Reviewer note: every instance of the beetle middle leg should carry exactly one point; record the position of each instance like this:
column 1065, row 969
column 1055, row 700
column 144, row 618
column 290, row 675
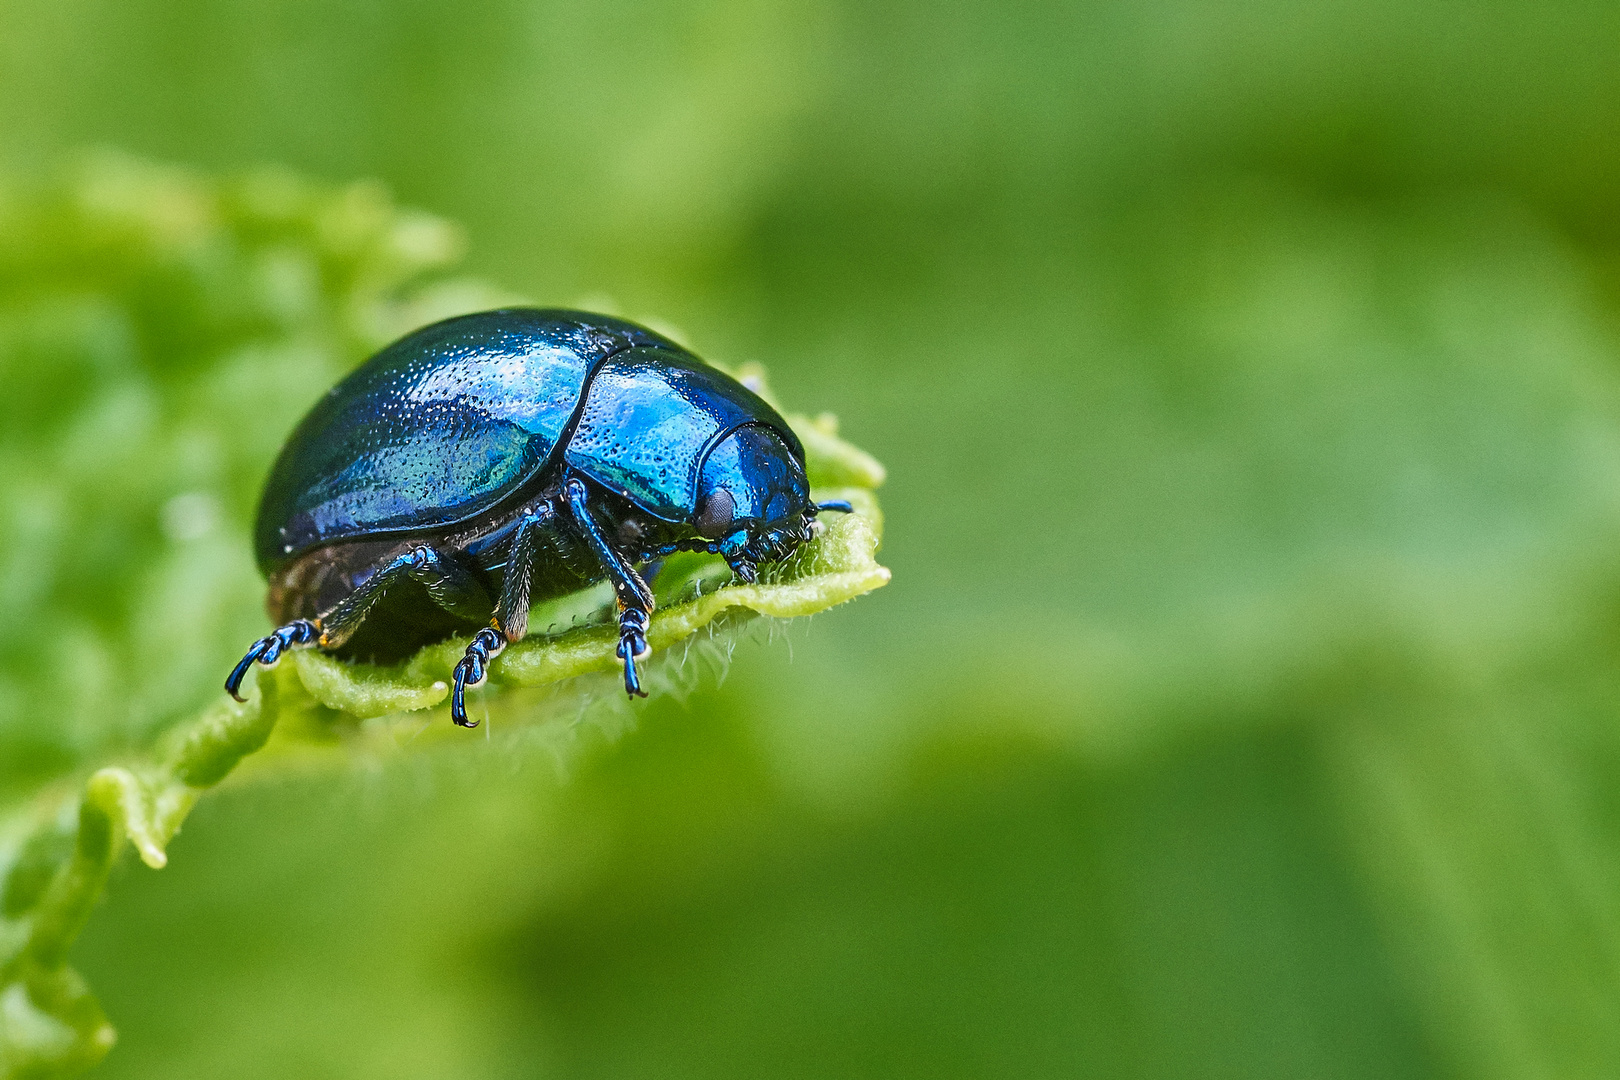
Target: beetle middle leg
column 446, row 581
column 511, row 620
column 635, row 598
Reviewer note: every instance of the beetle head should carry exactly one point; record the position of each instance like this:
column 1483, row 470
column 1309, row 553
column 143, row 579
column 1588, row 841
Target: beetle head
column 753, row 498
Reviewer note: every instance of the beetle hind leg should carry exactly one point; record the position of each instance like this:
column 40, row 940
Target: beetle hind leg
column 447, row 583
column 472, row 670
column 266, row 652
column 512, row 608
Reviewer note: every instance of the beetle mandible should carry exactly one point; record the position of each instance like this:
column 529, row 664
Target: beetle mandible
column 496, row 460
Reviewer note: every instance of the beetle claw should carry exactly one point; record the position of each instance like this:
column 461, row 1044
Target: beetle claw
column 458, row 695
column 632, row 681
column 233, row 682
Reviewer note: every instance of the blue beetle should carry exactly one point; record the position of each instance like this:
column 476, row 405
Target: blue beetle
column 494, row 460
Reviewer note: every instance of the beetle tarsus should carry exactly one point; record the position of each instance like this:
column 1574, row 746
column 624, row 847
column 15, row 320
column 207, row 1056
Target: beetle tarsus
column 632, row 681
column 266, row 652
column 472, row 670
column 632, row 647
column 233, row 682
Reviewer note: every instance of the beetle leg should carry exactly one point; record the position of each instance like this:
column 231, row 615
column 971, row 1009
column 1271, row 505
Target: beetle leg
column 511, row 621
column 512, row 610
column 738, row 550
column 627, row 584
column 450, row 586
column 632, row 647
column 472, row 670
column 446, row 581
column 266, row 652
column 843, row 506
column 635, row 598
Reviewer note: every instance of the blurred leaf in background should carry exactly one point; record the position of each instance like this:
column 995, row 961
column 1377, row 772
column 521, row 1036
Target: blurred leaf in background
column 1245, row 702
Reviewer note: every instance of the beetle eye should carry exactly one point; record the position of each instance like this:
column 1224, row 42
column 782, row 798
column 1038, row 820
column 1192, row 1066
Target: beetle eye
column 715, row 518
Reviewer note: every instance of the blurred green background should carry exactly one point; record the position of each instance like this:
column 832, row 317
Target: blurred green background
column 1245, row 702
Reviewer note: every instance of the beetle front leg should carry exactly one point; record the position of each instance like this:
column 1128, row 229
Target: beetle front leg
column 635, row 598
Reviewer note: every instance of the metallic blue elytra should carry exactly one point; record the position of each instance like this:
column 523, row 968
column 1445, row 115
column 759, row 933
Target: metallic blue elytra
column 435, row 429
column 495, row 460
